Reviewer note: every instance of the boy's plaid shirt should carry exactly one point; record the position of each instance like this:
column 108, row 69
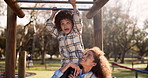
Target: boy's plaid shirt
column 70, row 45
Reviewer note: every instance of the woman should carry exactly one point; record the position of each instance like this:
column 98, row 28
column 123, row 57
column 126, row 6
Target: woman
column 94, row 65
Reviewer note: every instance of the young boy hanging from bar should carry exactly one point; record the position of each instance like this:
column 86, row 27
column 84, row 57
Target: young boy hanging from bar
column 67, row 28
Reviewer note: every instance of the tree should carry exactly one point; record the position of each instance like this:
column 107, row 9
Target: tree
column 141, row 41
column 119, row 30
column 87, row 34
column 2, row 7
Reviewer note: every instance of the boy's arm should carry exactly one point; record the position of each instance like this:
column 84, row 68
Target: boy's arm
column 73, row 3
column 53, row 13
column 50, row 26
column 77, row 21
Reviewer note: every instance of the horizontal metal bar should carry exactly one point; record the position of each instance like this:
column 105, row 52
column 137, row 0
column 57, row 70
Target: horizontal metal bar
column 45, row 1
column 38, row 8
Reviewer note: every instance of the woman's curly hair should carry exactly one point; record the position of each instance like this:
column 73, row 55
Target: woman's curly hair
column 102, row 69
column 63, row 14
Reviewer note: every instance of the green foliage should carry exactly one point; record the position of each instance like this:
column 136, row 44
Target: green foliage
column 121, row 33
column 87, row 35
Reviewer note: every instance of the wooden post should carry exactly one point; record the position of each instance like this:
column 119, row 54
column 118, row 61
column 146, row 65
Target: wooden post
column 98, row 30
column 10, row 44
column 22, row 65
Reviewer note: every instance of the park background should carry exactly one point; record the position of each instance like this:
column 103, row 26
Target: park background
column 125, row 24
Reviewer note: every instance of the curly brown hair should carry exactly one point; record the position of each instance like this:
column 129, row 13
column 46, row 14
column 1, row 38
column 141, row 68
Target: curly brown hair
column 102, row 69
column 63, row 14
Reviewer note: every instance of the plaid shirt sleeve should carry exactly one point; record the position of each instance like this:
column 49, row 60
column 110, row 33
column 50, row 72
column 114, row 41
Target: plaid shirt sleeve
column 51, row 28
column 77, row 22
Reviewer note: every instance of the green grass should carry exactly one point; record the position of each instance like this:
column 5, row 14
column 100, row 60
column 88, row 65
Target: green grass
column 41, row 74
column 126, row 73
column 46, row 71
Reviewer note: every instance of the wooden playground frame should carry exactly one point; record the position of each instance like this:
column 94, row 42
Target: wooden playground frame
column 14, row 10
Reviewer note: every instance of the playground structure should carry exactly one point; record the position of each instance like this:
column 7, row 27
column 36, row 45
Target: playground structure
column 14, row 10
column 132, row 69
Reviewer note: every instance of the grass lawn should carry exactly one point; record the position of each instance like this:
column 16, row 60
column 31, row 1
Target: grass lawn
column 41, row 74
column 46, row 71
column 128, row 74
column 117, row 72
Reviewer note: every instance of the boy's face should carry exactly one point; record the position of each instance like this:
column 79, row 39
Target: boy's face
column 66, row 25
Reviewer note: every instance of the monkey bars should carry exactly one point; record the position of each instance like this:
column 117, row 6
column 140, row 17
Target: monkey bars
column 97, row 5
column 58, row 2
column 38, row 8
column 14, row 10
column 47, row 1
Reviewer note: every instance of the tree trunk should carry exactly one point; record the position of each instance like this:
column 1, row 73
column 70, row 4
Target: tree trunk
column 43, row 49
column 43, row 57
column 122, row 58
column 142, row 59
column 115, row 57
column 146, row 67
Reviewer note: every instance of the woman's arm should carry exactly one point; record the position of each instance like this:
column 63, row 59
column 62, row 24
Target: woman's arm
column 59, row 73
column 72, row 65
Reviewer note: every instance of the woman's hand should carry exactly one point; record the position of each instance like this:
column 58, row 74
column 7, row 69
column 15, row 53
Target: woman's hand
column 72, row 76
column 76, row 68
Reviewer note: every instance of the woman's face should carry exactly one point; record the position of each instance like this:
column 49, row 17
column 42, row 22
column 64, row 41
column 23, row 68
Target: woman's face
column 88, row 59
column 66, row 25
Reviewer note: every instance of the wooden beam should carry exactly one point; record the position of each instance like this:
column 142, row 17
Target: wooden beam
column 15, row 7
column 47, row 1
column 10, row 44
column 98, row 30
column 95, row 8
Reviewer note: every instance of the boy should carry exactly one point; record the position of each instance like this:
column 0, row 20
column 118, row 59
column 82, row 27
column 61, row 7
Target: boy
column 68, row 30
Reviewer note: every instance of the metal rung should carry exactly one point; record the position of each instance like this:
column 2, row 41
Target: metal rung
column 37, row 8
column 45, row 1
